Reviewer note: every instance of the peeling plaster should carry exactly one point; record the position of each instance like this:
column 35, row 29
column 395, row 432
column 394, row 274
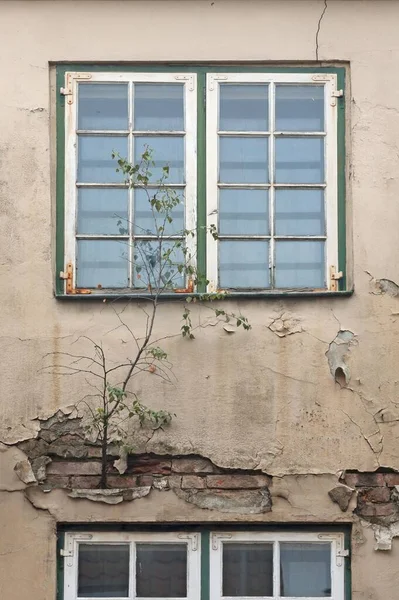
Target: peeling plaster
column 337, row 355
column 384, row 535
column 115, row 496
column 285, row 324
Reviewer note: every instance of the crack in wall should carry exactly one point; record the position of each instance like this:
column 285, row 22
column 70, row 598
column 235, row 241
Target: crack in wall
column 318, row 29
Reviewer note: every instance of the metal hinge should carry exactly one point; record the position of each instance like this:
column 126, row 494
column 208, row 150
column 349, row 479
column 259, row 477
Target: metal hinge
column 68, row 551
column 337, row 94
column 68, row 89
column 193, row 537
column 334, row 277
column 67, row 275
column 340, row 552
column 216, row 537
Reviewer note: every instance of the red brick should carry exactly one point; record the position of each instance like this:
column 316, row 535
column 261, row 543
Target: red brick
column 121, row 481
column 376, row 510
column 57, row 481
column 391, row 479
column 192, row 482
column 193, row 465
column 237, row 481
column 145, row 480
column 139, row 465
column 377, row 494
column 365, row 479
column 74, row 468
column 85, row 483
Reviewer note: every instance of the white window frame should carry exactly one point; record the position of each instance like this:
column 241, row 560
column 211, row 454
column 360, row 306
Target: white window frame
column 73, row 539
column 72, row 79
column 330, row 154
column 337, row 560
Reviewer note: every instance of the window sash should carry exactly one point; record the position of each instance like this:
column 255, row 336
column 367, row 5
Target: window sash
column 189, row 81
column 329, row 81
column 72, row 541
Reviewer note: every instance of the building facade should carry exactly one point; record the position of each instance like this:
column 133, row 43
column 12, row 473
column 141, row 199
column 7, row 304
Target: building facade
column 274, row 124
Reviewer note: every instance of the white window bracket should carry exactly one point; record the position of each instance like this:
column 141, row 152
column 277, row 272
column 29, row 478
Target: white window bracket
column 213, row 78
column 189, row 78
column 69, row 544
column 193, row 537
column 68, row 89
column 340, row 551
column 219, row 536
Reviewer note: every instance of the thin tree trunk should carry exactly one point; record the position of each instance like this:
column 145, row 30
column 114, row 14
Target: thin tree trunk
column 104, row 448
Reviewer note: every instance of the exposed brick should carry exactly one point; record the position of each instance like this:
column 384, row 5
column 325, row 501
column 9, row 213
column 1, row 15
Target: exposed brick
column 94, row 452
column 57, row 481
column 147, row 464
column 34, row 448
column 375, row 510
column 145, row 480
column 391, row 479
column 74, row 468
column 85, row 482
column 122, row 481
column 193, row 465
column 376, row 494
column 365, row 479
column 237, row 481
column 192, row 482
column 174, row 481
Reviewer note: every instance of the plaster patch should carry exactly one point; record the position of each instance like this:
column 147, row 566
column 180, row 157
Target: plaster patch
column 384, row 535
column 337, row 355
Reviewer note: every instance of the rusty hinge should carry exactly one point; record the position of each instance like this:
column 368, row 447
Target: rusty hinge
column 68, row 89
column 68, row 276
column 334, row 277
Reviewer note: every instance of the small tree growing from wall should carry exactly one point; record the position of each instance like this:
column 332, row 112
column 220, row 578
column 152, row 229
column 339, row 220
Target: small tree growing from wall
column 163, row 264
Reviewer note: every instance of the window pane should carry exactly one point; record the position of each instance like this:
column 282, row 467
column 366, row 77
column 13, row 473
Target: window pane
column 244, row 212
column 300, row 212
column 299, row 160
column 299, row 108
column 102, row 211
column 147, row 259
column 161, row 570
column 305, row 570
column 247, row 569
column 103, row 571
column 102, row 263
column 147, row 220
column 96, row 164
column 166, row 151
column 243, row 160
column 103, row 106
column 300, row 264
column 244, row 264
column 158, row 107
column 243, row 107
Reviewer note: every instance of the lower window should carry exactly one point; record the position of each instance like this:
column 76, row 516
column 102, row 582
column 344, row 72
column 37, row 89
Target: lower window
column 258, row 564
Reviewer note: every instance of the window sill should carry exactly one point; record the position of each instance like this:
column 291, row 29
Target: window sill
column 244, row 295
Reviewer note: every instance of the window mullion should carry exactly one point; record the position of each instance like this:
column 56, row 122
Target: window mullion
column 131, row 188
column 271, row 179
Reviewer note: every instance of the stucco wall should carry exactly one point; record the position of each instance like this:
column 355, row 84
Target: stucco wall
column 247, row 400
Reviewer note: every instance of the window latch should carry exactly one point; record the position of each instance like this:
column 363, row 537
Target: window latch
column 334, row 277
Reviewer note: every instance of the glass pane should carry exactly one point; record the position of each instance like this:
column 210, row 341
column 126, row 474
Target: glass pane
column 247, row 569
column 147, row 259
column 243, row 160
column 147, row 219
column 305, row 570
column 243, row 107
column 161, row 570
column 103, row 571
column 300, row 264
column 103, row 106
column 95, row 162
column 243, row 212
column 102, row 211
column 166, row 151
column 158, row 107
column 299, row 160
column 299, row 108
column 244, row 264
column 102, row 263
column 300, row 212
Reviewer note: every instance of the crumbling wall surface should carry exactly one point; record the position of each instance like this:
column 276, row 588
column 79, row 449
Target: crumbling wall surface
column 289, row 417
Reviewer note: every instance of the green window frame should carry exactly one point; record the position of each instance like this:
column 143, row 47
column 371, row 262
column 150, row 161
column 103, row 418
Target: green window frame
column 204, row 75
column 267, row 563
